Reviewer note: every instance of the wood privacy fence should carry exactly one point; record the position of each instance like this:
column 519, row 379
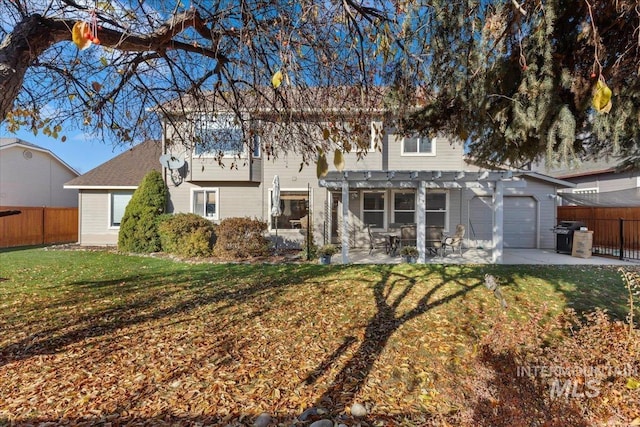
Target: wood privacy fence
column 38, row 226
column 616, row 231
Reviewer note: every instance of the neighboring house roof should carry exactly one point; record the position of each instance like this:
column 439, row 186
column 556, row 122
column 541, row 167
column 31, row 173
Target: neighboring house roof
column 6, row 143
column 123, row 171
column 584, row 168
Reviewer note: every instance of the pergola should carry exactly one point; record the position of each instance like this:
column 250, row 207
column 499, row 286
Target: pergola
column 492, row 181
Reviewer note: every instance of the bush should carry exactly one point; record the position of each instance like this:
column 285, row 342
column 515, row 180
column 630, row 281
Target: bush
column 138, row 229
column 187, row 234
column 327, row 250
column 241, row 238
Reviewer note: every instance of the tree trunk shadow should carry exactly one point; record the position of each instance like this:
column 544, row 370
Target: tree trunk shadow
column 380, row 328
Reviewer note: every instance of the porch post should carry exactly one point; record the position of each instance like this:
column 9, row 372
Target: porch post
column 498, row 219
column 345, row 222
column 421, row 222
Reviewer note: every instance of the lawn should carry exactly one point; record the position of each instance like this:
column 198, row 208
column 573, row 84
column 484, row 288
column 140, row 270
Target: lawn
column 100, row 337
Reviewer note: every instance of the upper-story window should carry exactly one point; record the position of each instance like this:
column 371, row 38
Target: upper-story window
column 216, row 134
column 418, row 146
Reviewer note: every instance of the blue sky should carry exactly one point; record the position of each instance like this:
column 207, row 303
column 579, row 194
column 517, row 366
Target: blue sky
column 79, row 150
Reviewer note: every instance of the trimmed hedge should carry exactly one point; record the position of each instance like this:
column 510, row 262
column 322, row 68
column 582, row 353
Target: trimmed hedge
column 187, row 234
column 241, row 238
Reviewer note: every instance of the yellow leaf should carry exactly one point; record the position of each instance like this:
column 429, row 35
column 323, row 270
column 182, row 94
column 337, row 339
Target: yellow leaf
column 79, row 35
column 322, row 167
column 635, row 422
column 632, row 383
column 276, row 80
column 602, row 97
column 338, row 160
column 325, row 133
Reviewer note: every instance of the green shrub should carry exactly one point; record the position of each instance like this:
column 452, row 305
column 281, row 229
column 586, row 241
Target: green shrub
column 138, row 228
column 238, row 238
column 187, row 234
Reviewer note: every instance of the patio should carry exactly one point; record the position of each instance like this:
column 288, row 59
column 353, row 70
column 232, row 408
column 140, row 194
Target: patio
column 483, row 256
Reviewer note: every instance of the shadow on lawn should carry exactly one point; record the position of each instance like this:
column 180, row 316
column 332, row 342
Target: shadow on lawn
column 389, row 292
column 200, row 286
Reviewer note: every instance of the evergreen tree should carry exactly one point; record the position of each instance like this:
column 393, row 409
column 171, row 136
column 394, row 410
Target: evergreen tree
column 138, row 229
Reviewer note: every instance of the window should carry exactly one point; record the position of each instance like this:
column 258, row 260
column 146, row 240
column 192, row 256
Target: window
column 418, row 146
column 204, row 202
column 294, row 205
column 218, row 134
column 436, row 209
column 373, row 209
column 255, row 141
column 118, row 203
column 404, row 207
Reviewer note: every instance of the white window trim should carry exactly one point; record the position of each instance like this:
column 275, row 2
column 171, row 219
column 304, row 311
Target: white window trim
column 110, row 225
column 384, row 207
column 431, row 154
column 393, row 208
column 446, row 210
column 198, row 189
column 585, row 190
column 282, row 190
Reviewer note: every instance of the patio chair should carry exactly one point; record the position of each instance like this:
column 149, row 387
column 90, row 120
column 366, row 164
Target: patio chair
column 377, row 242
column 434, row 239
column 304, row 222
column 454, row 241
column 407, row 235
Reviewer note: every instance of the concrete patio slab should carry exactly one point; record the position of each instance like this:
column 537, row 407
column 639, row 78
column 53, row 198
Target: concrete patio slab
column 480, row 256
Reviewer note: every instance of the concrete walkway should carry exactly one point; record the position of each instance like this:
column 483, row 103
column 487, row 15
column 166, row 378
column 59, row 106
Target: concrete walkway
column 480, row 256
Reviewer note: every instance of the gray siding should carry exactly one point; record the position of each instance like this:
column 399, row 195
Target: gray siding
column 608, row 182
column 448, row 156
column 479, row 216
column 94, row 219
column 235, row 199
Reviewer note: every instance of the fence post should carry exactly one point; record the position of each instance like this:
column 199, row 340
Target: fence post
column 621, row 238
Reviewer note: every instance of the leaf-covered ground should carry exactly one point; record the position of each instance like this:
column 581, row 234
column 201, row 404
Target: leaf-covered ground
column 96, row 337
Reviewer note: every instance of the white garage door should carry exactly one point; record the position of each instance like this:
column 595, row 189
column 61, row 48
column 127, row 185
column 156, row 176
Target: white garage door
column 519, row 221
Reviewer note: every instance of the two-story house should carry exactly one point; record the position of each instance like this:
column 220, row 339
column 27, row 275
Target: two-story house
column 422, row 180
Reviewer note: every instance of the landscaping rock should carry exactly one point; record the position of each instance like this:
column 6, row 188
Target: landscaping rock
column 358, row 410
column 322, row 423
column 263, row 420
column 311, row 412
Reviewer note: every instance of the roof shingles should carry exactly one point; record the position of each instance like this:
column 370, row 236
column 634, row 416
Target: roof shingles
column 125, row 170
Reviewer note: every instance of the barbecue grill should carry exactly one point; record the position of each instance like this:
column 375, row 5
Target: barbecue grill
column 564, row 235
